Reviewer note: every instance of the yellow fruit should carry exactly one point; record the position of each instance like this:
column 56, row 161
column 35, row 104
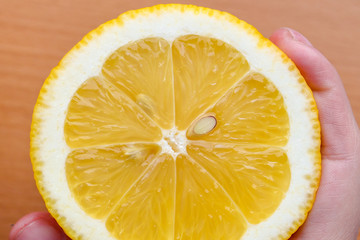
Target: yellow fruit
column 176, row 122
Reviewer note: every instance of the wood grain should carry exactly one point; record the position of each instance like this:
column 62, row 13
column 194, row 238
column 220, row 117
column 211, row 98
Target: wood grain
column 35, row 34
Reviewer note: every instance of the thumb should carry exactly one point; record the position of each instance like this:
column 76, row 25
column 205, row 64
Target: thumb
column 37, row 226
column 335, row 212
column 339, row 128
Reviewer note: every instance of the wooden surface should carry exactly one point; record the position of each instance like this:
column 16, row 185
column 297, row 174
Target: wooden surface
column 35, row 34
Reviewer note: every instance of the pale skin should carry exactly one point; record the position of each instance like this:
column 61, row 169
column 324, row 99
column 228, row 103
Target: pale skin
column 336, row 211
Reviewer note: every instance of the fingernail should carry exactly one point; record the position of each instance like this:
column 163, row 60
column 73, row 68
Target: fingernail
column 40, row 230
column 298, row 37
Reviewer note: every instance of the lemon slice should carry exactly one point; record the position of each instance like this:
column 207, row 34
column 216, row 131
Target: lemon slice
column 176, row 122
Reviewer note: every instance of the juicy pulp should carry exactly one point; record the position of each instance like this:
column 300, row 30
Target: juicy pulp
column 119, row 171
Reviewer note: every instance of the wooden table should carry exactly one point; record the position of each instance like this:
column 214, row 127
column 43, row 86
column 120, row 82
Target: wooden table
column 35, row 34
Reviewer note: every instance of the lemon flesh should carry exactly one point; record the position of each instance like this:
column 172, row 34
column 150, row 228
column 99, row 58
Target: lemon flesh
column 136, row 163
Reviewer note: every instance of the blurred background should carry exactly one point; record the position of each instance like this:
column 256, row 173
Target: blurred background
column 36, row 34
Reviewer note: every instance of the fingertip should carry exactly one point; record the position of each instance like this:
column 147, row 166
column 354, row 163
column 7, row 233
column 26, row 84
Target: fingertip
column 316, row 69
column 280, row 35
column 24, row 221
column 37, row 225
column 285, row 33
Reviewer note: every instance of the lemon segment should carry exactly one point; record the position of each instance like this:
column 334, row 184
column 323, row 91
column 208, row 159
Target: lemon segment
column 99, row 177
column 256, row 178
column 146, row 211
column 143, row 71
column 100, row 114
column 203, row 209
column 204, row 69
column 252, row 112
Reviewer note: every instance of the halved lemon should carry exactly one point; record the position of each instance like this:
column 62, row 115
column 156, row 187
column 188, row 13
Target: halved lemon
column 176, row 122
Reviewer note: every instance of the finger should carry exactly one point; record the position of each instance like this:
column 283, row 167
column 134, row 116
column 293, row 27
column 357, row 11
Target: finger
column 37, row 226
column 339, row 129
column 317, row 70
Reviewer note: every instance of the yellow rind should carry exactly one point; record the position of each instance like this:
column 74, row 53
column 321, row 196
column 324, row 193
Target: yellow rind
column 158, row 9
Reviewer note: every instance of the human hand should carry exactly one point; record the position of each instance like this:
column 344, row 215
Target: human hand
column 335, row 214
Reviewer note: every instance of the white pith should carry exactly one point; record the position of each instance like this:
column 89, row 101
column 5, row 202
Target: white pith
column 86, row 62
column 173, row 137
